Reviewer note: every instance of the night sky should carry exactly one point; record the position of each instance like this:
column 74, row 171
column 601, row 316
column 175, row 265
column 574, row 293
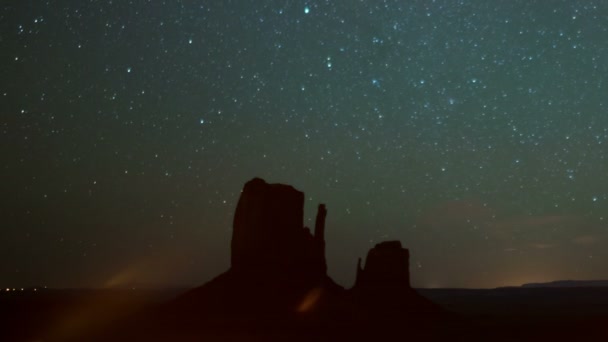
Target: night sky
column 476, row 132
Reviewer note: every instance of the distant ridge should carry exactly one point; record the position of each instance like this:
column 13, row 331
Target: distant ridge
column 569, row 283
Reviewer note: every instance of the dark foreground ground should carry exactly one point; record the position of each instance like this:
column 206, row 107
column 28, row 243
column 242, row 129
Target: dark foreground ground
column 510, row 314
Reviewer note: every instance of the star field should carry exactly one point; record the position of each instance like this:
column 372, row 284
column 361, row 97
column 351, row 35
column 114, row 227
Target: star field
column 475, row 132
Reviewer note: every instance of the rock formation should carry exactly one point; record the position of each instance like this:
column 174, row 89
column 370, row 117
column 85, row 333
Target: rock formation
column 277, row 265
column 277, row 285
column 383, row 285
column 386, row 265
column 269, row 238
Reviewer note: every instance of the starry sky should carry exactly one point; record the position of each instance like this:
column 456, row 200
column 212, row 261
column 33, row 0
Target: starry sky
column 474, row 131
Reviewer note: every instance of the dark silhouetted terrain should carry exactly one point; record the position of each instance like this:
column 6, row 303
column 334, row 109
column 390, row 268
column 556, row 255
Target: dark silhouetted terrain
column 569, row 283
column 506, row 314
column 277, row 289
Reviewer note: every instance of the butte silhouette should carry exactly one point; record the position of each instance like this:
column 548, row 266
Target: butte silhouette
column 277, row 286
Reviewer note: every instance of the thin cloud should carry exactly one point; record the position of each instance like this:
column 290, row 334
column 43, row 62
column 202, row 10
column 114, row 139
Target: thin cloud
column 586, row 239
